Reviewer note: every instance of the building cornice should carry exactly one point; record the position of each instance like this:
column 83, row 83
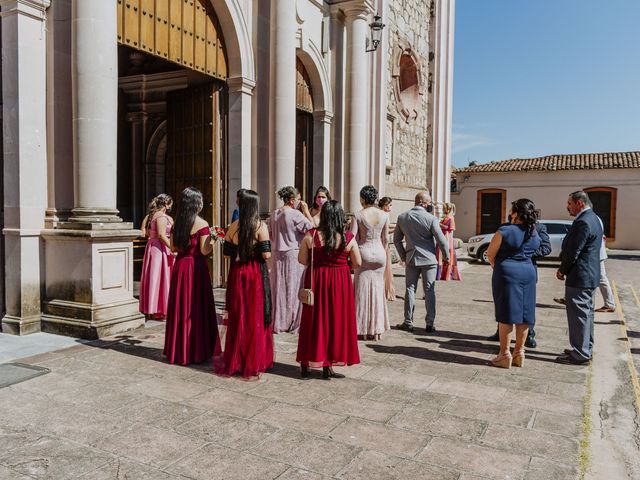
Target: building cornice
column 241, row 85
column 29, row 8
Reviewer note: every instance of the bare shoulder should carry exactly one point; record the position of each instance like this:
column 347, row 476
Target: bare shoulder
column 200, row 223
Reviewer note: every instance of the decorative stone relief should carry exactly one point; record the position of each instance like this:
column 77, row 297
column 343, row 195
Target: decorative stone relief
column 408, row 85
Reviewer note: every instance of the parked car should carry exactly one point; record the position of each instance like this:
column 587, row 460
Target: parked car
column 557, row 229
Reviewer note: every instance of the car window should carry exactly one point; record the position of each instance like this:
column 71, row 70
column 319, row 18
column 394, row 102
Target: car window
column 556, row 228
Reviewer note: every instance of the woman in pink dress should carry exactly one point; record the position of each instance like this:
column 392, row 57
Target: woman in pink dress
column 191, row 335
column 389, row 290
column 448, row 225
column 158, row 258
column 289, row 223
column 248, row 348
column 328, row 334
column 370, row 227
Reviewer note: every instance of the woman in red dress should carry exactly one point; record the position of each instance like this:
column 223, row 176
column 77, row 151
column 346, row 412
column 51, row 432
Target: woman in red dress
column 248, row 349
column 191, row 335
column 328, row 332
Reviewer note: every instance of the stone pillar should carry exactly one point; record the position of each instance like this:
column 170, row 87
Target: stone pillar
column 239, row 138
column 59, row 114
column 25, row 159
column 357, row 95
column 89, row 260
column 337, row 182
column 321, row 147
column 284, row 98
column 136, row 121
column 443, row 25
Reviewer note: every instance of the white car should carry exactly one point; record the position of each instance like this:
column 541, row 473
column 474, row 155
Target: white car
column 557, row 229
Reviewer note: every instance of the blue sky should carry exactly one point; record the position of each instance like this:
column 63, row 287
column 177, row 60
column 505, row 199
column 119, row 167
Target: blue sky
column 537, row 77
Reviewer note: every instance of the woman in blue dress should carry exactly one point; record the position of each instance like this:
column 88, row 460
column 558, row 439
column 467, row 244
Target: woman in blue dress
column 514, row 279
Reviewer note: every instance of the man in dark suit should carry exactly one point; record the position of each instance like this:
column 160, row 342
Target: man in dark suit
column 543, row 250
column 580, row 270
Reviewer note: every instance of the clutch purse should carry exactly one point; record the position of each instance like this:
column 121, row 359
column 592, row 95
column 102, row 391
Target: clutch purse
column 305, row 295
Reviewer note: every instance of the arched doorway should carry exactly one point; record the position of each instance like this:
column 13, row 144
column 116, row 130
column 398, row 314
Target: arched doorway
column 304, row 132
column 173, row 107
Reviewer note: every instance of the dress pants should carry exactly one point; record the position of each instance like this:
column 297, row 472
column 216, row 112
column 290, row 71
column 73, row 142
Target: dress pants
column 580, row 314
column 605, row 288
column 412, row 275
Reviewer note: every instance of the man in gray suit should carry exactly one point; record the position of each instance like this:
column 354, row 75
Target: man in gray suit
column 420, row 230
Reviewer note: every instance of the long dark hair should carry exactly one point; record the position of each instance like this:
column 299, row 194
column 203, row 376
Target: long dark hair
column 158, row 203
column 332, row 222
column 248, row 223
column 188, row 209
column 324, row 190
column 526, row 212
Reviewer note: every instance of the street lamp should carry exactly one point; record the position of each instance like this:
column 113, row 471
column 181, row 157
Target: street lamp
column 376, row 33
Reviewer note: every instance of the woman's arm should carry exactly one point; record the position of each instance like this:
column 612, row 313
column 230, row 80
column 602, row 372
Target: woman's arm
column 143, row 227
column 263, row 236
column 161, row 223
column 303, row 253
column 354, row 254
column 384, row 236
column 494, row 246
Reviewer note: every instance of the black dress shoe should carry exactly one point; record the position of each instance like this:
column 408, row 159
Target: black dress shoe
column 569, row 360
column 327, row 373
column 494, row 338
column 430, row 329
column 530, row 342
column 304, row 371
column 568, row 351
column 405, row 327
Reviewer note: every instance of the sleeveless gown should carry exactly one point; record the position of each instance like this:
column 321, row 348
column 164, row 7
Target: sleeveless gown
column 248, row 349
column 191, row 335
column 155, row 278
column 328, row 334
column 450, row 272
column 372, row 314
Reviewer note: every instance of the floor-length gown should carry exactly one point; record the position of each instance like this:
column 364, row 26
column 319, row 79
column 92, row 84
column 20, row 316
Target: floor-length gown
column 191, row 335
column 155, row 278
column 328, row 334
column 450, row 271
column 372, row 314
column 248, row 348
column 288, row 227
column 389, row 288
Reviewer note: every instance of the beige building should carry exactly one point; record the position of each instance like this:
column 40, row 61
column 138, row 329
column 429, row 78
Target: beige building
column 483, row 193
column 106, row 103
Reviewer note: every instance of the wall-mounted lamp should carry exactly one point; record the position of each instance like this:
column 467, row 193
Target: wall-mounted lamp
column 376, row 33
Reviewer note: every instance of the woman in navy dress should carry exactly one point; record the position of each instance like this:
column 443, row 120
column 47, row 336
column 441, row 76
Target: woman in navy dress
column 514, row 280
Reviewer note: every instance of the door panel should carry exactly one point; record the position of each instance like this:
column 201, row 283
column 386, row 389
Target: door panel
column 304, row 154
column 490, row 212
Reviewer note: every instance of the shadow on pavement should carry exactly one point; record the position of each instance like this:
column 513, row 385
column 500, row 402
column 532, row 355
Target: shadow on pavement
column 426, row 354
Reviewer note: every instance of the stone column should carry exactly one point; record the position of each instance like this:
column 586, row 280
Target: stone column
column 321, row 147
column 136, row 121
column 25, row 159
column 89, row 260
column 284, row 98
column 357, row 94
column 443, row 34
column 239, row 138
column 95, row 110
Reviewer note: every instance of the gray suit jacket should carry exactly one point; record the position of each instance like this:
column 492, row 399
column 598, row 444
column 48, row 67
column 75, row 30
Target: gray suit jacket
column 421, row 231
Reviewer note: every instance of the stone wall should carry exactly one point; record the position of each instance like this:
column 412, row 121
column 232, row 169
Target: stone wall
column 408, row 148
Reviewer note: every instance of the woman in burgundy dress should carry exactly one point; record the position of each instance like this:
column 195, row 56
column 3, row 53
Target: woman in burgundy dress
column 328, row 333
column 248, row 349
column 192, row 332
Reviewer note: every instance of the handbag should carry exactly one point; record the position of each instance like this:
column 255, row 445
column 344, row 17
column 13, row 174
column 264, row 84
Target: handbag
column 305, row 295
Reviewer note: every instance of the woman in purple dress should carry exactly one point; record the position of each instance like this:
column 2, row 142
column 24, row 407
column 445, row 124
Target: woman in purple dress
column 289, row 223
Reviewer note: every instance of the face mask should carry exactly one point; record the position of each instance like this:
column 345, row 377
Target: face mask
column 320, row 201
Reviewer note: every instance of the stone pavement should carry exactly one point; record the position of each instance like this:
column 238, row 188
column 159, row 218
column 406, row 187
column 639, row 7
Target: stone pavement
column 418, row 407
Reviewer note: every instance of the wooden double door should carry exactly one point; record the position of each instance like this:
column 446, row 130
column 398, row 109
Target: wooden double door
column 196, row 154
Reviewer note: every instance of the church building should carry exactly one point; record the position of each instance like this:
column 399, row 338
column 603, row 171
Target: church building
column 107, row 103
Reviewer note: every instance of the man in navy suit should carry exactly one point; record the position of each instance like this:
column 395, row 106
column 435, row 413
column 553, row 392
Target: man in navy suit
column 580, row 270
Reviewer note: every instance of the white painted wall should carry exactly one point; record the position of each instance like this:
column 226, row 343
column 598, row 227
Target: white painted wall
column 549, row 191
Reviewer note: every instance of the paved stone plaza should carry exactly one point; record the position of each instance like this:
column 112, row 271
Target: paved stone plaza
column 418, row 407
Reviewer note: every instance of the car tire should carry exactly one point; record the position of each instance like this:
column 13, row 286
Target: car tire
column 482, row 254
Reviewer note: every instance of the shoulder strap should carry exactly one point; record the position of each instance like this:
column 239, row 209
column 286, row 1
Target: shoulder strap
column 313, row 245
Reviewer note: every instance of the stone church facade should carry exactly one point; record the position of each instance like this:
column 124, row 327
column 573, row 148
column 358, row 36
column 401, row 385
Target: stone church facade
column 106, row 103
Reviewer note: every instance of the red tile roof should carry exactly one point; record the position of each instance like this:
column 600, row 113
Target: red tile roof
column 578, row 161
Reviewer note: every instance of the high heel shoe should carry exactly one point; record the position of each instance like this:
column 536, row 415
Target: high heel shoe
column 304, row 371
column 502, row 360
column 518, row 358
